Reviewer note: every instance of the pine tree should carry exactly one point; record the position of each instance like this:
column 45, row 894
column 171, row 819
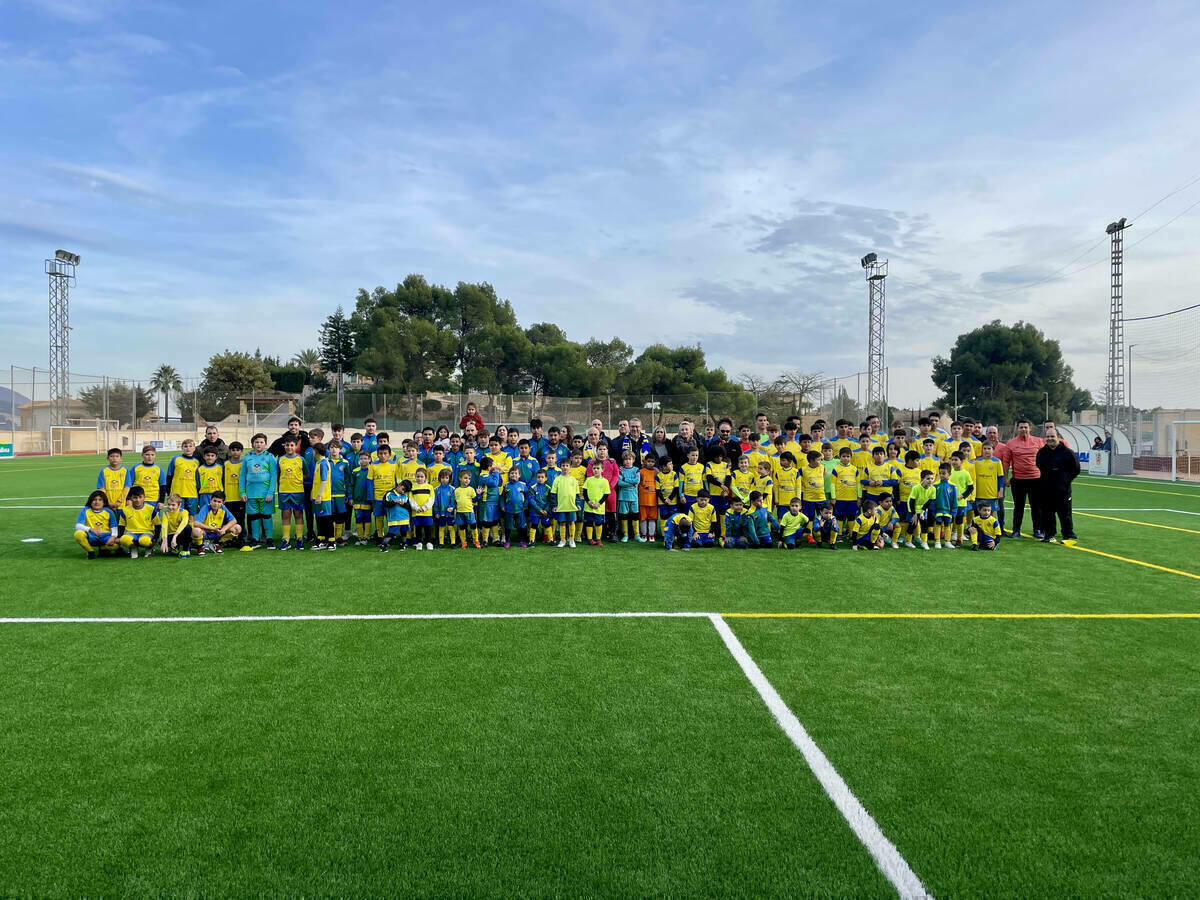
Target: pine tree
column 337, row 343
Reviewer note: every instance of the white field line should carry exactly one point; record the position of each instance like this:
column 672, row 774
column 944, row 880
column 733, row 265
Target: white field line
column 341, row 617
column 5, row 506
column 1139, row 509
column 883, row 851
column 47, row 497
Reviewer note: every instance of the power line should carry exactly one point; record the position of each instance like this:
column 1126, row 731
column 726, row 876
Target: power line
column 1164, row 225
column 1161, row 315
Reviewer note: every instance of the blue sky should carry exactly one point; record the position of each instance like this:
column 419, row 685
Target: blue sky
column 672, row 172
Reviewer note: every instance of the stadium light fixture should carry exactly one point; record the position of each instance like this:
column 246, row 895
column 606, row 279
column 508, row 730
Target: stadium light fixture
column 869, row 259
column 67, row 256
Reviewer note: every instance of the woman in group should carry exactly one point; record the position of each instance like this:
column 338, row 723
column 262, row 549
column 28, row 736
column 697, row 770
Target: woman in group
column 660, row 447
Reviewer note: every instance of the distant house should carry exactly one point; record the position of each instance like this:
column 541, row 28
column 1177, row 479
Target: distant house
column 36, row 416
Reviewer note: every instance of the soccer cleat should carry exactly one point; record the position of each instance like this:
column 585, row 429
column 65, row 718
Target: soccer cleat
column 91, row 554
column 506, row 545
column 186, row 554
column 216, row 549
column 571, row 544
column 937, row 545
column 810, row 539
column 951, row 546
column 476, row 545
column 523, row 545
column 361, row 542
column 1038, row 536
column 428, row 546
column 200, row 552
column 1014, row 534
column 1051, row 540
column 641, row 540
column 383, row 548
column 133, row 554
column 624, row 539
column 854, row 546
column 299, row 544
column 562, row 543
column 419, row 545
column 910, row 545
column 924, row 545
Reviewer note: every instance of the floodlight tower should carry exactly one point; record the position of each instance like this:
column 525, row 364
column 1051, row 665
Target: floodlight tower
column 1116, row 326
column 61, row 271
column 876, row 270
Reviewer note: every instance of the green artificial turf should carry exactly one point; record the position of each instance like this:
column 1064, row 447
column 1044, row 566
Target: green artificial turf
column 1017, row 759
column 602, row 757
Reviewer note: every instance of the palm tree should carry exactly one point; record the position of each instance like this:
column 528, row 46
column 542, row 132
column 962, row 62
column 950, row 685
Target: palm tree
column 309, row 360
column 164, row 380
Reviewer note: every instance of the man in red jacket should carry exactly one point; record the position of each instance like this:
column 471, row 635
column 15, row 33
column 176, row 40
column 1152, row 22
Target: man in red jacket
column 1021, row 456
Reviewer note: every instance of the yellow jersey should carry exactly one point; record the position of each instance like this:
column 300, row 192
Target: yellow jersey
column 838, row 443
column 812, row 484
column 383, row 477
column 988, row 527
column 322, row 483
column 703, row 518
column 716, row 477
column 182, row 476
column 886, row 517
column 464, row 500
column 909, row 478
column 789, row 524
column 148, row 478
column 172, row 522
column 233, row 481
column 862, row 458
column 291, row 475
column 765, row 485
column 138, row 521
column 211, row 478
column 407, row 468
column 787, row 482
column 742, row 483
column 112, row 482
column 845, row 482
column 691, row 479
column 864, row 526
column 882, row 472
column 929, row 464
column 501, row 462
column 434, row 471
column 987, row 478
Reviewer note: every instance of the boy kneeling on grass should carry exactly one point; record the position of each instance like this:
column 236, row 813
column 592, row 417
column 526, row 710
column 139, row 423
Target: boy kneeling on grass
column 214, row 524
column 985, row 529
column 96, row 527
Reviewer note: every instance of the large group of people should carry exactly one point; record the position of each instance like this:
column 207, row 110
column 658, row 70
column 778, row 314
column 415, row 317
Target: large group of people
column 747, row 486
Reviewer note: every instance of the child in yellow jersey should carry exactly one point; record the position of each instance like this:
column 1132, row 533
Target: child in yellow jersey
column 741, row 482
column 384, row 476
column 464, row 510
column 579, row 472
column 666, row 486
column 210, row 477
column 173, row 523
column 138, row 518
column 861, row 457
column 877, row 479
column 812, row 488
column 791, row 525
column 234, row 501
column 830, row 462
column 181, row 476
column 764, row 483
column 149, row 476
column 501, row 461
column 989, row 480
column 985, row 530
column 786, row 481
column 845, row 491
column 864, row 530
column 965, row 486
column 291, row 494
column 406, row 469
column 929, row 459
column 889, row 522
column 113, row 479
column 564, row 500
column 691, row 480
column 909, row 478
column 96, row 527
column 213, row 524
column 704, row 518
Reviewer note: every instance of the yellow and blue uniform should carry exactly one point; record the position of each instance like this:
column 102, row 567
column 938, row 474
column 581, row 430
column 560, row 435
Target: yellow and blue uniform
column 889, row 521
column 232, row 477
column 845, row 492
column 986, row 532
column 382, row 476
column 989, row 480
column 565, row 493
column 883, row 472
column 398, row 514
column 742, row 483
column 435, row 470
column 765, row 485
column 215, row 517
column 964, row 486
column 105, row 520
column 407, row 468
column 182, row 480
column 691, row 482
column 151, row 479
column 322, row 488
column 716, row 478
column 787, row 482
column 812, row 491
column 528, row 467
column 464, row 506
column 501, row 462
column 291, row 482
column 909, row 479
column 209, row 480
column 791, row 526
column 865, row 530
column 703, row 520
column 861, row 458
column 339, row 475
column 113, row 482
column 678, row 524
column 139, row 526
column 666, row 486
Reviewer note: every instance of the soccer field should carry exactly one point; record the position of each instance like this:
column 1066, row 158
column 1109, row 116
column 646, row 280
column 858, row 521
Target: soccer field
column 1019, row 723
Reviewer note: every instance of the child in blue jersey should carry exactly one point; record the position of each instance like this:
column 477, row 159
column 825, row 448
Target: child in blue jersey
column 443, row 509
column 513, row 500
column 490, row 484
column 677, row 528
column 538, row 508
column 826, row 527
column 398, row 515
column 322, row 497
column 735, row 527
column 339, row 480
column 760, row 522
column 257, row 480
column 945, row 508
column 525, row 464
column 213, row 524
column 363, row 494
column 629, row 478
column 96, row 527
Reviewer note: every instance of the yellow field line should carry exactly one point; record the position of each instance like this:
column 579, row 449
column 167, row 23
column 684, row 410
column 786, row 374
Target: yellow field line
column 1136, row 562
column 817, row 615
column 1113, row 487
column 1144, row 524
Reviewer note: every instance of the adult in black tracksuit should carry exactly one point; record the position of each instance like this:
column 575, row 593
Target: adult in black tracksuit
column 1058, row 467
